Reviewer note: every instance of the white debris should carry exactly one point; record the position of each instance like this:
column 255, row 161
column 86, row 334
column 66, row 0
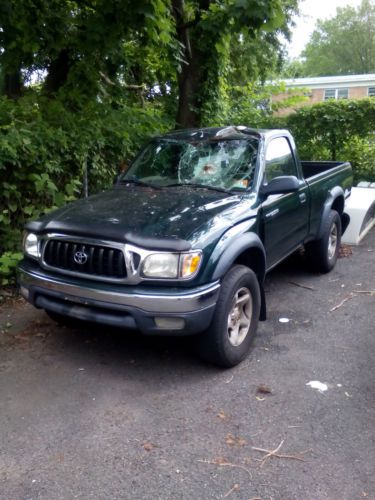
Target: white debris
column 339, row 385
column 315, row 384
column 284, row 320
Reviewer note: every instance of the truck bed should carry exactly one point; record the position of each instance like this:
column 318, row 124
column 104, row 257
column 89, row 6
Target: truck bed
column 312, row 168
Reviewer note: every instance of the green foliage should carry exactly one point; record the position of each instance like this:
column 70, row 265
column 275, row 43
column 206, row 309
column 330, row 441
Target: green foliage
column 344, row 44
column 75, row 42
column 8, row 264
column 331, row 130
column 45, row 149
column 361, row 152
column 225, row 43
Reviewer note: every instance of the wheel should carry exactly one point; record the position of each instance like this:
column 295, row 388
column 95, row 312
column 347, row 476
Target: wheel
column 228, row 339
column 323, row 253
column 61, row 319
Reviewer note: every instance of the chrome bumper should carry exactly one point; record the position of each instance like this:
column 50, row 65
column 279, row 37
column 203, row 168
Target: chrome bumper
column 185, row 301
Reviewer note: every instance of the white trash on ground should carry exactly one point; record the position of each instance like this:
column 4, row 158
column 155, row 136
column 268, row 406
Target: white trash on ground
column 315, row 384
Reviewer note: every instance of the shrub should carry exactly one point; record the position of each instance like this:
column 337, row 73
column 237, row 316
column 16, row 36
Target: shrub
column 45, row 150
column 331, row 130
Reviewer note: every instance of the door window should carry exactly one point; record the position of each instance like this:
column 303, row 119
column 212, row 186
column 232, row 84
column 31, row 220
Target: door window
column 279, row 159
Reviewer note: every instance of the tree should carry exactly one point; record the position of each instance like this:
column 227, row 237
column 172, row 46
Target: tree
column 344, row 44
column 74, row 42
column 210, row 32
column 189, row 50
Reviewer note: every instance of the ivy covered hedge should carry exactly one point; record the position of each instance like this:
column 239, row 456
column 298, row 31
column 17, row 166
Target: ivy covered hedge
column 336, row 130
column 45, row 151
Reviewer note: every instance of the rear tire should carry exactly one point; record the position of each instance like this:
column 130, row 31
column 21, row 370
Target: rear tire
column 323, row 253
column 229, row 337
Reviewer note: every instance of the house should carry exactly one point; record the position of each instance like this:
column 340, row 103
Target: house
column 318, row 89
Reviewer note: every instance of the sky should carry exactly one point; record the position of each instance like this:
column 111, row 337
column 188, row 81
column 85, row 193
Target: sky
column 311, row 10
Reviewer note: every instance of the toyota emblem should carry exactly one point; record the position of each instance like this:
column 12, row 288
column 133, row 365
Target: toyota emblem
column 80, row 257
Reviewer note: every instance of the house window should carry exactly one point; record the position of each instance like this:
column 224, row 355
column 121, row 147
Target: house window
column 342, row 93
column 329, row 94
column 371, row 91
column 336, row 93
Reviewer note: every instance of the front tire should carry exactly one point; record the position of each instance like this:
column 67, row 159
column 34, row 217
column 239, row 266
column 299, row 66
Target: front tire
column 323, row 253
column 229, row 337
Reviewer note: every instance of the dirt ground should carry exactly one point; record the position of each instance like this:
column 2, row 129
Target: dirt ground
column 97, row 413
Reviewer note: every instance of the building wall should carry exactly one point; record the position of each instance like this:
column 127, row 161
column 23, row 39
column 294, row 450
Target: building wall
column 317, row 96
column 357, row 92
column 314, row 96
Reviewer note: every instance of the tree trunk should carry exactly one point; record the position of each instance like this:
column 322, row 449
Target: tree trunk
column 189, row 86
column 58, row 72
column 13, row 84
column 193, row 73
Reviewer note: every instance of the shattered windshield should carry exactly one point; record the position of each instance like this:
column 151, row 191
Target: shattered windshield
column 217, row 163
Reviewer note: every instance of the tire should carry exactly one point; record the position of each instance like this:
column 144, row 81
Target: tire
column 62, row 320
column 323, row 253
column 226, row 343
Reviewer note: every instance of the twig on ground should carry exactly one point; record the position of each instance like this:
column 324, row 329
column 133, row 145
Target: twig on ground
column 236, row 487
column 348, row 297
column 275, row 453
column 366, row 292
column 225, row 464
column 308, row 287
column 269, row 453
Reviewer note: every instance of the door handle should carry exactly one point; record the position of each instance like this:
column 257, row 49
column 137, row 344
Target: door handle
column 272, row 213
column 302, row 197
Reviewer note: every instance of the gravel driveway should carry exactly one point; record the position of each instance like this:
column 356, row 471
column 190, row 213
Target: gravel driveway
column 104, row 414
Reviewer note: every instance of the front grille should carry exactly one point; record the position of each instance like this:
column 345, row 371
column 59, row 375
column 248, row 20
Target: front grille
column 94, row 260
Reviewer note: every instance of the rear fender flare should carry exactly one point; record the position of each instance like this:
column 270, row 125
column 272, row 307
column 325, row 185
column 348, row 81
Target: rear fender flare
column 334, row 194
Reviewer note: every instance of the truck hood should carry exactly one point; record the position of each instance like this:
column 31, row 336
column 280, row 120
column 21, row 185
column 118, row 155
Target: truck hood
column 157, row 218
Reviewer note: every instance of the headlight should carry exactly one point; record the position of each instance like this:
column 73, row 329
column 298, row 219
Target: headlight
column 31, row 245
column 161, row 265
column 171, row 265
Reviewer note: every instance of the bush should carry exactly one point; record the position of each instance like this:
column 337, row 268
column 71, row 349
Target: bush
column 46, row 148
column 342, row 130
column 8, row 264
column 362, row 157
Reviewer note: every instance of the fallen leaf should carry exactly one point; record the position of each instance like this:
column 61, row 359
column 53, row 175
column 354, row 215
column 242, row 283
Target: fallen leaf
column 41, row 335
column 263, row 389
column 235, row 441
column 345, row 251
column 148, row 446
column 223, row 416
column 219, row 461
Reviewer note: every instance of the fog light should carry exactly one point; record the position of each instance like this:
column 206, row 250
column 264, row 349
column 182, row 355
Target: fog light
column 24, row 292
column 170, row 323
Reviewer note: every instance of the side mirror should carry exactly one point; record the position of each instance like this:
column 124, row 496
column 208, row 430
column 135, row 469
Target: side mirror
column 280, row 185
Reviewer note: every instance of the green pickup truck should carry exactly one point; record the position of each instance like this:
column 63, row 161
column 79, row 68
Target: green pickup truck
column 181, row 243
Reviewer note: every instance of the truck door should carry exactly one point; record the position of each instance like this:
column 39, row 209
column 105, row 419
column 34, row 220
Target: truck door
column 285, row 217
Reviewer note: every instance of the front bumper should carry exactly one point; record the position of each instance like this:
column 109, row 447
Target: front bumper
column 119, row 305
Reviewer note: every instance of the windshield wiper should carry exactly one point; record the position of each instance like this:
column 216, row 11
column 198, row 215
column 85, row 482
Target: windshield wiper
column 201, row 186
column 138, row 183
